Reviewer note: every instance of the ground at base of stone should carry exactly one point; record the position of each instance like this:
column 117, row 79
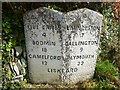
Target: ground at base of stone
column 29, row 85
column 85, row 84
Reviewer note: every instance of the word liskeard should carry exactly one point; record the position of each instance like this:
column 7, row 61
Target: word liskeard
column 62, row 47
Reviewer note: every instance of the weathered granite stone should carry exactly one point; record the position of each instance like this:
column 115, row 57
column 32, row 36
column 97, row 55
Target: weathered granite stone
column 24, row 54
column 62, row 48
column 18, row 50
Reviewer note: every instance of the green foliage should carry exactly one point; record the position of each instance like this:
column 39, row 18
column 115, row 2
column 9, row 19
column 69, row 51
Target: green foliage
column 104, row 69
column 107, row 67
column 109, row 35
column 88, row 84
column 13, row 35
column 106, row 74
column 104, row 84
column 12, row 85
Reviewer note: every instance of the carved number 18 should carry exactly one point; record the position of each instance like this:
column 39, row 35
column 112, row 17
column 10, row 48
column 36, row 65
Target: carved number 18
column 44, row 49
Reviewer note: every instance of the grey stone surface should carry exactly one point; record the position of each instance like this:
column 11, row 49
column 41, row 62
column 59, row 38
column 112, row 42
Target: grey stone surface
column 18, row 50
column 24, row 54
column 62, row 47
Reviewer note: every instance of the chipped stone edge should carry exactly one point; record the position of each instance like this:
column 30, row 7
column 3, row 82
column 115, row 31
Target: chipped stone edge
column 55, row 11
column 82, row 9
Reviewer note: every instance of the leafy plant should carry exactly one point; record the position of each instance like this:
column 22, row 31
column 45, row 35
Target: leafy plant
column 109, row 46
column 12, row 35
column 105, row 84
column 107, row 73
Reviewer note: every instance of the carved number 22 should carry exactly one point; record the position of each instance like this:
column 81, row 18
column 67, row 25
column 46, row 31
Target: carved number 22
column 80, row 63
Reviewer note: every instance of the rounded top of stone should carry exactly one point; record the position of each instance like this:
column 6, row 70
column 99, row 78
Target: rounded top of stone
column 82, row 10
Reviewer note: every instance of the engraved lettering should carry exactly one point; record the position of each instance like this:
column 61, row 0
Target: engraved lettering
column 61, row 70
column 44, row 62
column 51, row 43
column 33, row 26
column 78, row 43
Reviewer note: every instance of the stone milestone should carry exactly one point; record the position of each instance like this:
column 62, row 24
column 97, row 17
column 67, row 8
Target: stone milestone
column 62, row 47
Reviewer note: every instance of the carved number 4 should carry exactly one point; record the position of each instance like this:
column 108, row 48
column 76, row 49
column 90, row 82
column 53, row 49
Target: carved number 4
column 44, row 34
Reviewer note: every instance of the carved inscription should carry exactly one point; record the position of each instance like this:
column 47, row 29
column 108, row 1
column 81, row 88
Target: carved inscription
column 62, row 47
